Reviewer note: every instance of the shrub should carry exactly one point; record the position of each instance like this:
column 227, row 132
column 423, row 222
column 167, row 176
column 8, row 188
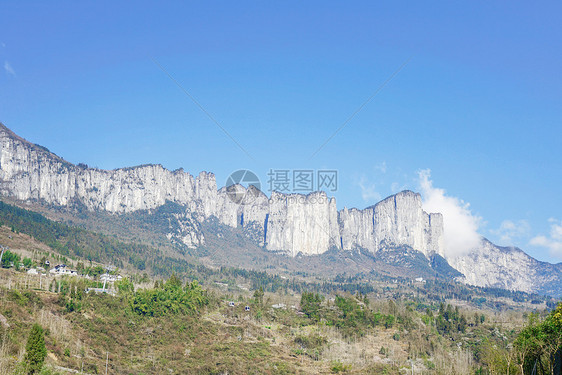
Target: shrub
column 170, row 299
column 35, row 350
column 337, row 367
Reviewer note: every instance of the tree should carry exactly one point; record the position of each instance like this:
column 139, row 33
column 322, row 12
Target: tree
column 429, row 313
column 35, row 350
column 173, row 282
column 528, row 342
column 170, row 299
column 389, row 321
column 461, row 326
column 310, row 305
column 540, row 343
column 258, row 296
column 124, row 286
column 10, row 258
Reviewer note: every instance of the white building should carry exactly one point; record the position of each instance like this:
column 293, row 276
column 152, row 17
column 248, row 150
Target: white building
column 107, row 278
column 62, row 271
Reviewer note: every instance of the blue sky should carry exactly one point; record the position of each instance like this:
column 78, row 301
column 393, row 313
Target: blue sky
column 478, row 103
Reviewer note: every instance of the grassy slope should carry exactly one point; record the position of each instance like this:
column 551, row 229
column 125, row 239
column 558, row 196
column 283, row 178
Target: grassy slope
column 218, row 340
column 301, row 274
column 221, row 339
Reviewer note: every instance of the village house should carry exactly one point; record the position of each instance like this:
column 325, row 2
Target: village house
column 107, row 278
column 62, row 270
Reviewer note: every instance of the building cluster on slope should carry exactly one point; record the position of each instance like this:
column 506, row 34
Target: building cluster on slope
column 63, row 270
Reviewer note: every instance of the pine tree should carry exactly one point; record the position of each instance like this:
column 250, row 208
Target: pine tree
column 258, row 296
column 35, row 350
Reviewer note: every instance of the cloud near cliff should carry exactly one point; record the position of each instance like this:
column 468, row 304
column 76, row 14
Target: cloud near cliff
column 460, row 225
column 368, row 191
column 553, row 242
column 510, row 231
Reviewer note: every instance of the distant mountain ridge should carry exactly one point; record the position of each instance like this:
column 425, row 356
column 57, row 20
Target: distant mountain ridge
column 293, row 223
column 508, row 268
column 290, row 223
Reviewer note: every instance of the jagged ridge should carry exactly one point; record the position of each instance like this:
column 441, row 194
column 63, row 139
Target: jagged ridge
column 292, row 223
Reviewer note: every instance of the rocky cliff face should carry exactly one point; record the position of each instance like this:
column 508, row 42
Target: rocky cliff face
column 31, row 172
column 302, row 223
column 508, row 268
column 397, row 220
column 295, row 223
column 307, row 224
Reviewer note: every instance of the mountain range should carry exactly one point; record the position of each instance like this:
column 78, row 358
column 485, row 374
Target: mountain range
column 293, row 225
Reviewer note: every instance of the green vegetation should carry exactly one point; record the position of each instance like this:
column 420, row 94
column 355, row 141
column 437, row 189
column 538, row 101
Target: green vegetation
column 170, row 298
column 181, row 326
column 338, row 367
column 9, row 258
column 450, row 320
column 35, row 350
column 539, row 345
column 71, row 241
column 310, row 305
column 312, row 345
column 360, row 323
column 351, row 314
column 83, row 245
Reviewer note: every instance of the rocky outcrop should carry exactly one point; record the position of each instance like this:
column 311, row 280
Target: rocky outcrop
column 306, row 224
column 395, row 221
column 508, row 268
column 295, row 223
column 31, row 172
column 302, row 223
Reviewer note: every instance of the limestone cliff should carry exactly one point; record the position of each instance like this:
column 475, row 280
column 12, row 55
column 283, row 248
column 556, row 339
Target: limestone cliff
column 306, row 224
column 508, row 268
column 397, row 220
column 295, row 223
column 302, row 223
column 31, row 172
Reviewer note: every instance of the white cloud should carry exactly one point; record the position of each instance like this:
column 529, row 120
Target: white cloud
column 368, row 191
column 381, row 167
column 460, row 225
column 554, row 241
column 8, row 68
column 511, row 230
